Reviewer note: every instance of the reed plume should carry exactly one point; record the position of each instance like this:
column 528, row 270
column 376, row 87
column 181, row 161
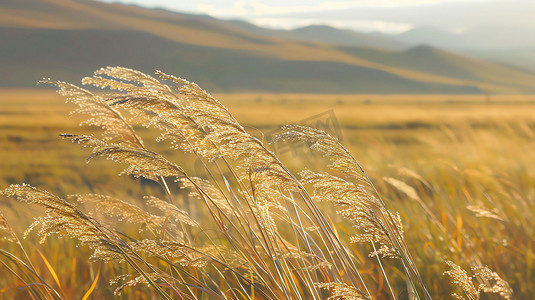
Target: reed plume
column 489, row 282
column 7, row 232
column 64, row 219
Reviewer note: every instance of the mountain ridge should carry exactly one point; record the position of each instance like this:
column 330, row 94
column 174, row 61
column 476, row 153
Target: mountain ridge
column 221, row 54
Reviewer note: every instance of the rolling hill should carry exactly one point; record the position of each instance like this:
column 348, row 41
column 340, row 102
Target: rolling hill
column 329, row 35
column 511, row 46
column 433, row 60
column 68, row 39
column 73, row 54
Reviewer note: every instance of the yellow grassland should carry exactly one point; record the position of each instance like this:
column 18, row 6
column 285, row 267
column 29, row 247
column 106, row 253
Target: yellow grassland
column 467, row 150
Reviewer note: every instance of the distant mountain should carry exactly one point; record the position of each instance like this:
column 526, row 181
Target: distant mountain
column 429, row 36
column 68, row 39
column 435, row 61
column 512, row 46
column 477, row 38
column 327, row 35
column 522, row 58
column 340, row 37
column 73, row 54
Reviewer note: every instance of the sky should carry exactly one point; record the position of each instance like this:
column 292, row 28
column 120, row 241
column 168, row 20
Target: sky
column 386, row 16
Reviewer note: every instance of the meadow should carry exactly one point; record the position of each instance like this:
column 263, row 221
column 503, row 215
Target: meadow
column 459, row 169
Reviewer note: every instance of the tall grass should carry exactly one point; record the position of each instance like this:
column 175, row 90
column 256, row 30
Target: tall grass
column 245, row 227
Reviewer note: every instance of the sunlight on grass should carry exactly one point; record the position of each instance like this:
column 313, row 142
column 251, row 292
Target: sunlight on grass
column 456, row 172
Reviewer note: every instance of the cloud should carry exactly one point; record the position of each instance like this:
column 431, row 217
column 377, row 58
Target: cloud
column 358, row 25
column 257, row 8
column 282, row 15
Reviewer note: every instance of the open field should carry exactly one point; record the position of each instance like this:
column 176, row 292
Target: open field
column 380, row 129
column 470, row 160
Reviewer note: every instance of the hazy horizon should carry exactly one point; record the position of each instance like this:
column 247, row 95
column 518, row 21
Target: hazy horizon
column 385, row 16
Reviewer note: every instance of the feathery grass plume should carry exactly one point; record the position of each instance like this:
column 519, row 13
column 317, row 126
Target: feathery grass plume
column 191, row 113
column 460, row 277
column 188, row 112
column 155, row 104
column 401, row 186
column 7, row 232
column 230, row 137
column 183, row 254
column 124, row 211
column 168, row 113
column 171, row 210
column 331, row 188
column 485, row 212
column 85, row 140
column 357, row 205
column 385, row 224
column 491, row 282
column 410, row 173
column 65, row 219
column 326, row 144
column 142, row 162
column 117, row 131
column 200, row 188
column 342, row 291
column 129, row 75
column 102, row 115
column 139, row 279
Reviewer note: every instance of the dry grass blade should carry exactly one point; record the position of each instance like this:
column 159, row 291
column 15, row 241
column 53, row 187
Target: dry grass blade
column 65, row 219
column 93, row 285
column 30, row 284
column 52, row 272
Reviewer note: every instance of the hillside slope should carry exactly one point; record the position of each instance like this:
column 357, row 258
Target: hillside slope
column 69, row 38
column 72, row 54
column 436, row 61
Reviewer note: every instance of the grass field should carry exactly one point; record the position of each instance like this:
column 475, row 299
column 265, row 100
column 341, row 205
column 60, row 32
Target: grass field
column 469, row 163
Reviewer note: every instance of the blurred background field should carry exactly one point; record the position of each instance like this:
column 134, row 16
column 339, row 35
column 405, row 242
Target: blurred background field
column 380, row 129
column 469, row 158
